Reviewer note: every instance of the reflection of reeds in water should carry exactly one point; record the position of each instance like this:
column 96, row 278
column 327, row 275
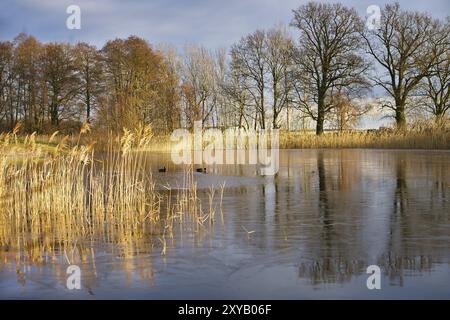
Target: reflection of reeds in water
column 330, row 270
column 52, row 208
column 395, row 266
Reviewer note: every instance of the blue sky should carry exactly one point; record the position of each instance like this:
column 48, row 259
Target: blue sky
column 213, row 23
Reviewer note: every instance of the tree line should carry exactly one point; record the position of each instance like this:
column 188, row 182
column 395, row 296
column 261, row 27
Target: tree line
column 322, row 73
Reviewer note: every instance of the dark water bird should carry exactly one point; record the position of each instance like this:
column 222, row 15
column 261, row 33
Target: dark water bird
column 202, row 170
column 163, row 169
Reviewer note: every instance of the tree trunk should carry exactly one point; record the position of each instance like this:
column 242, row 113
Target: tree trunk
column 320, row 121
column 88, row 106
column 288, row 121
column 54, row 114
column 320, row 115
column 274, row 120
column 400, row 117
column 263, row 110
column 240, row 117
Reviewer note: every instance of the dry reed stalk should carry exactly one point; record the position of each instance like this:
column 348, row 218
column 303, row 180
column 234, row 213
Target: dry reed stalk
column 53, row 205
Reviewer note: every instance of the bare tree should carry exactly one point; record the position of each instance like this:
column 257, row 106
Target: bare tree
column 198, row 84
column 436, row 86
column 327, row 55
column 6, row 78
column 347, row 111
column 88, row 64
column 222, row 111
column 238, row 97
column 401, row 48
column 279, row 51
column 169, row 99
column 61, row 81
column 134, row 78
column 26, row 74
column 249, row 56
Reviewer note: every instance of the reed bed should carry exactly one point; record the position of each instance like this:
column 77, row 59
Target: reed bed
column 427, row 139
column 377, row 139
column 55, row 205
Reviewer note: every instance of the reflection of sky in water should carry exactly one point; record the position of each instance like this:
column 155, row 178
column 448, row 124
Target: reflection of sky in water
column 310, row 232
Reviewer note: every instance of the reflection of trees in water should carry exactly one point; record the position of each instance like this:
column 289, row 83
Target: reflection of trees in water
column 401, row 188
column 342, row 269
column 328, row 234
column 418, row 225
column 325, row 200
column 316, row 208
column 420, row 213
column 331, row 252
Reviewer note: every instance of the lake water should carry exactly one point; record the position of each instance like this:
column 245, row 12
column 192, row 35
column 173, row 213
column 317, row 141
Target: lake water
column 309, row 232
